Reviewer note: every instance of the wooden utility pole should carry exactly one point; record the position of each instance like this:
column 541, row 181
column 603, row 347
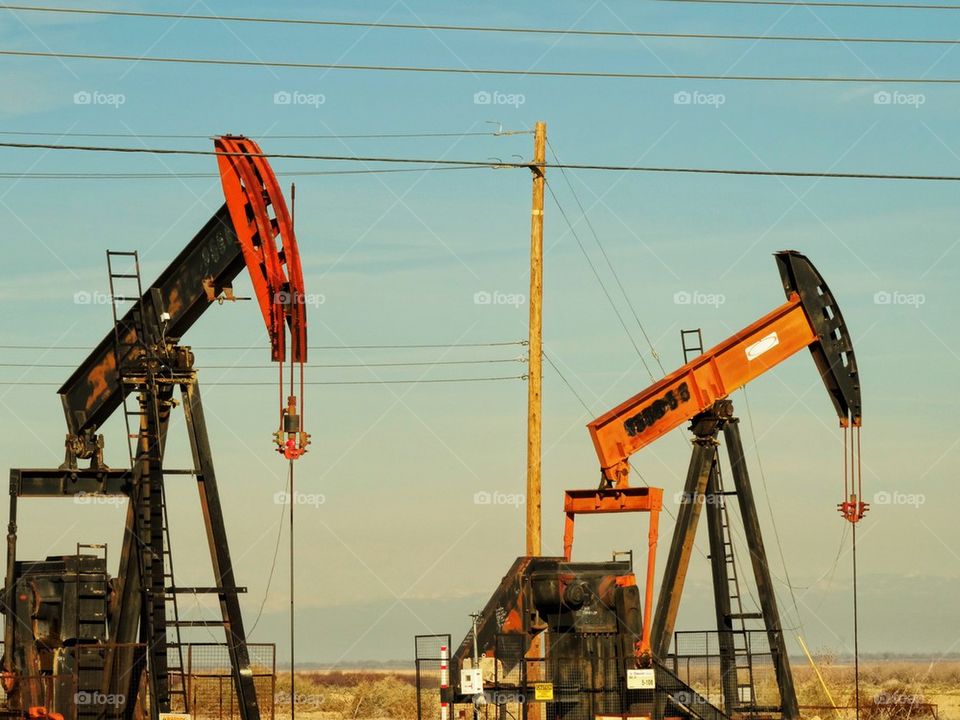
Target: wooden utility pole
column 534, row 416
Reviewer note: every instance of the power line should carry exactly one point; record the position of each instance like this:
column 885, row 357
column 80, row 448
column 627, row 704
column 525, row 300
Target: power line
column 169, row 136
column 480, row 71
column 173, row 175
column 603, row 287
column 610, row 266
column 633, row 467
column 488, row 164
column 442, row 346
column 58, row 366
column 773, row 518
column 326, row 382
column 874, row 6
column 496, row 29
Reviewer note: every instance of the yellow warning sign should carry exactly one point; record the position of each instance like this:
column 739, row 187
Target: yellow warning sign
column 543, row 691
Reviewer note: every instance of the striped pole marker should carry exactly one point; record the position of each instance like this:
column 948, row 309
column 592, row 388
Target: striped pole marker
column 444, row 668
column 444, row 680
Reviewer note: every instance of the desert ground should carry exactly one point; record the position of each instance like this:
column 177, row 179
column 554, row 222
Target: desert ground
column 890, row 690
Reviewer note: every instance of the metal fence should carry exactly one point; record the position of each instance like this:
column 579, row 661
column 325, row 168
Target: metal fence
column 583, row 683
column 209, row 678
column 432, row 652
column 696, row 661
column 76, row 685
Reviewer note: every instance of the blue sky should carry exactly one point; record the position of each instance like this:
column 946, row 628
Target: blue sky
column 398, row 545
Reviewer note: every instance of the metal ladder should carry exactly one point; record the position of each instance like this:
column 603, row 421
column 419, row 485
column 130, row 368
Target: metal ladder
column 137, row 373
column 90, row 627
column 124, row 345
column 743, row 652
column 694, row 347
column 175, row 667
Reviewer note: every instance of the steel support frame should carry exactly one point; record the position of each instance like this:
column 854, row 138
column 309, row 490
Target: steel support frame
column 148, row 503
column 224, row 577
column 137, row 612
column 790, row 709
column 721, row 589
column 681, row 547
column 621, row 500
column 706, row 428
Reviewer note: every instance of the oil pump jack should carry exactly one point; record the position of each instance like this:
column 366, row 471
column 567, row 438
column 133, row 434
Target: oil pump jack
column 78, row 643
column 598, row 632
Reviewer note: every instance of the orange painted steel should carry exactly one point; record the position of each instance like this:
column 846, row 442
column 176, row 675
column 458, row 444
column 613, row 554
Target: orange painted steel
column 261, row 219
column 252, row 192
column 694, row 387
column 620, row 500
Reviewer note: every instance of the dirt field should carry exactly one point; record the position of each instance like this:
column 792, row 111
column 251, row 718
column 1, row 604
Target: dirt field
column 891, row 690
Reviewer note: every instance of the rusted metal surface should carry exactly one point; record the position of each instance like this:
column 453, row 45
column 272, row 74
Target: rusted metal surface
column 809, row 319
column 92, row 393
column 261, row 218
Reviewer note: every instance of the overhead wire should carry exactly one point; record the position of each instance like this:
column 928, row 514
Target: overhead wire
column 773, row 520
column 633, row 467
column 599, row 279
column 447, row 27
column 395, row 346
column 269, row 136
column 447, row 70
column 319, row 382
column 439, row 162
column 421, row 363
column 273, row 567
column 613, row 271
column 173, row 175
column 827, row 4
column 836, row 564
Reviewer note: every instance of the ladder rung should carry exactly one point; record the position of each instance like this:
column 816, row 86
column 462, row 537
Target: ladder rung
column 195, row 623
column 132, row 276
column 745, row 616
column 205, row 590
